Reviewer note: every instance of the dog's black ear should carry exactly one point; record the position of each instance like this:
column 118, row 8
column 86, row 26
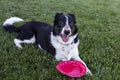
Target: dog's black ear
column 73, row 17
column 57, row 17
column 58, row 14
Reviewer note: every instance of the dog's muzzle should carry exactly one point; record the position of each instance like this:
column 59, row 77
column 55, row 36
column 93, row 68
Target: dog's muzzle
column 65, row 35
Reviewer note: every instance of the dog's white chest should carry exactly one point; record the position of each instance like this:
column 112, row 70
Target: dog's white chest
column 66, row 52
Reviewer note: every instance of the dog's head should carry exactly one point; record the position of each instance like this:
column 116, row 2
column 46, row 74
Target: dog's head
column 65, row 27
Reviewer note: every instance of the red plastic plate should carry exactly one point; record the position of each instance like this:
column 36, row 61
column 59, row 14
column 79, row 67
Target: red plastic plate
column 72, row 68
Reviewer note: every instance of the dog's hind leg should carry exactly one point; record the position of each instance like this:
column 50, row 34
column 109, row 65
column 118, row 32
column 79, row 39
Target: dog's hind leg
column 18, row 43
column 28, row 41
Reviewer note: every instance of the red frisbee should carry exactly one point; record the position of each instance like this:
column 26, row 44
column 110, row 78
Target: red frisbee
column 72, row 68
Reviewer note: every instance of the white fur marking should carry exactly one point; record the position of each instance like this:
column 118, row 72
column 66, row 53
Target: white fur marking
column 30, row 41
column 66, row 20
column 40, row 47
column 66, row 27
column 64, row 51
column 12, row 20
column 18, row 41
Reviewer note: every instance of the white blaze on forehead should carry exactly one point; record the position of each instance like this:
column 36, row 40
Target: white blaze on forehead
column 66, row 27
column 66, row 20
column 64, row 36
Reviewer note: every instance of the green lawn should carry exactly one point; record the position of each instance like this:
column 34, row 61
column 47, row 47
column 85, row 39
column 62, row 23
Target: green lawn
column 99, row 33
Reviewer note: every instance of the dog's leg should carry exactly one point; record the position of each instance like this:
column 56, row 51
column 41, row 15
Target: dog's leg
column 79, row 59
column 18, row 43
column 76, row 57
column 28, row 41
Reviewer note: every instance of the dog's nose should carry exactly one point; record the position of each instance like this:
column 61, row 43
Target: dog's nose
column 67, row 32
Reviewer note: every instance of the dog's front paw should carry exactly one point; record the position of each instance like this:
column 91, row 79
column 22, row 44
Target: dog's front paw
column 89, row 72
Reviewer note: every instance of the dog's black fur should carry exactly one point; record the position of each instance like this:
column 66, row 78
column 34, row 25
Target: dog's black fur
column 61, row 39
column 42, row 31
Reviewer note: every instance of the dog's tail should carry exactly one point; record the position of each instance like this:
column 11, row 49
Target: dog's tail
column 8, row 24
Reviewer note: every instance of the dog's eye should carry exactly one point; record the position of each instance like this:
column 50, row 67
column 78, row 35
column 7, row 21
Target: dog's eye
column 71, row 25
column 61, row 23
column 58, row 27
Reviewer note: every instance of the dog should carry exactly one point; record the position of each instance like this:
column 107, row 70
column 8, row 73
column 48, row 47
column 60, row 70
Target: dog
column 61, row 39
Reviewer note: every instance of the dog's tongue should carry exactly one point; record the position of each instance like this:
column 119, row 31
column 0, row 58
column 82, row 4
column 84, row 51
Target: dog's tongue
column 64, row 38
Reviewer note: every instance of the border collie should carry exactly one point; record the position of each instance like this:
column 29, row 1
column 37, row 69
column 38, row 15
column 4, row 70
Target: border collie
column 61, row 39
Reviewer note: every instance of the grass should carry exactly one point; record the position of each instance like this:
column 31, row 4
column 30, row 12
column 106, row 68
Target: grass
column 99, row 33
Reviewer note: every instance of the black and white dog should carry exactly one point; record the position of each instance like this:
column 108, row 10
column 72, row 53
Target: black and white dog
column 61, row 39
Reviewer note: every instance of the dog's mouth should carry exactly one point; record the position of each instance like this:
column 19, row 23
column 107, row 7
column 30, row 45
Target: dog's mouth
column 65, row 38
